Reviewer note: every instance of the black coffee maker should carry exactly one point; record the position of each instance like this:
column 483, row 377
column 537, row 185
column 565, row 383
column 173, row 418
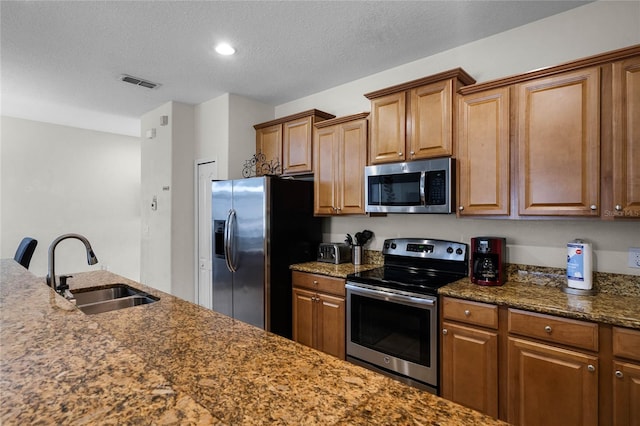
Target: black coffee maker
column 487, row 260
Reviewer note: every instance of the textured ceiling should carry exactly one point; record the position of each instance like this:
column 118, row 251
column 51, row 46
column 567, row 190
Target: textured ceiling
column 71, row 53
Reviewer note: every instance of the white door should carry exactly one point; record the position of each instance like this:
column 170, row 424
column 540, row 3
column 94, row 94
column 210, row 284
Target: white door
column 206, row 173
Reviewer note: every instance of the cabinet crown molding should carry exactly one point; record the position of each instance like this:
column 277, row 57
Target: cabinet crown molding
column 340, row 120
column 457, row 73
column 309, row 113
column 600, row 59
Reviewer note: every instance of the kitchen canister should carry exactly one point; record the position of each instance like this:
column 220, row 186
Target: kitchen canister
column 357, row 255
column 579, row 268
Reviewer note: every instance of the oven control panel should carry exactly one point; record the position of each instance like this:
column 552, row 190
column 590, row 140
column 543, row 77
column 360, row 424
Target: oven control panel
column 425, row 248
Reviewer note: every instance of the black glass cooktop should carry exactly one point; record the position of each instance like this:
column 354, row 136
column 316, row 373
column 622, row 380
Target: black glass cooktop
column 419, row 281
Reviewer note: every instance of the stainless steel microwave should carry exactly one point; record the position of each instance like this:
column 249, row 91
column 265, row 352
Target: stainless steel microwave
column 424, row 186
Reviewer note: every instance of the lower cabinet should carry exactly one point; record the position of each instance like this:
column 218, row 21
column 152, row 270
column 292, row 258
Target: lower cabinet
column 470, row 354
column 536, row 369
column 319, row 312
column 626, row 376
column 551, row 386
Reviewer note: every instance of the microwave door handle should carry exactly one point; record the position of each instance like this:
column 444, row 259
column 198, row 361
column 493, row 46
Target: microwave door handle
column 423, row 185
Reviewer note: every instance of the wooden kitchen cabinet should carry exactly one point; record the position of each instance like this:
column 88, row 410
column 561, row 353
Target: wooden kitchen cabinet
column 546, row 382
column 484, row 162
column 558, row 144
column 625, row 202
column 559, row 141
column 288, row 141
column 470, row 354
column 340, row 156
column 319, row 312
column 626, row 377
column 415, row 120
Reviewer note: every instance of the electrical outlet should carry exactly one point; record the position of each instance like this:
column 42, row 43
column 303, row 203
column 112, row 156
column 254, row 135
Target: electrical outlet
column 634, row 257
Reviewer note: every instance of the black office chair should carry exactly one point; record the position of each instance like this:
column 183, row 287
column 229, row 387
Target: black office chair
column 25, row 251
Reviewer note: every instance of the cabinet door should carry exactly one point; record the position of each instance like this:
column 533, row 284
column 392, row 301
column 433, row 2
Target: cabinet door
column 326, row 151
column 483, row 153
column 331, row 325
column 558, row 143
column 303, row 316
column 388, row 129
column 470, row 367
column 431, row 121
column 296, row 146
column 351, row 163
column 626, row 394
column 549, row 386
column 269, row 143
column 626, row 139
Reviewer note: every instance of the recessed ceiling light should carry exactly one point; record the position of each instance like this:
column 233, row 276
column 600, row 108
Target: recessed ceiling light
column 225, row 49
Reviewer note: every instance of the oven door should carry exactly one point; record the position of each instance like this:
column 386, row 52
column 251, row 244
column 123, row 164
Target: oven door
column 395, row 332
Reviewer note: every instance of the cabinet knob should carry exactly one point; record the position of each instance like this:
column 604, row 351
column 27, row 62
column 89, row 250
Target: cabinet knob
column 591, row 368
column 461, row 208
column 412, row 153
column 619, row 374
column 315, row 282
column 594, row 207
column 445, row 331
column 548, row 329
column 467, row 312
column 618, row 208
column 399, row 154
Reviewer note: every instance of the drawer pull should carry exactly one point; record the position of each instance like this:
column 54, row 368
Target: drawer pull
column 445, row 331
column 548, row 329
column 315, row 282
column 591, row 368
column 619, row 374
column 467, row 312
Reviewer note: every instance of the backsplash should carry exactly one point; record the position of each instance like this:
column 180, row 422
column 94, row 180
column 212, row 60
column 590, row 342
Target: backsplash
column 603, row 282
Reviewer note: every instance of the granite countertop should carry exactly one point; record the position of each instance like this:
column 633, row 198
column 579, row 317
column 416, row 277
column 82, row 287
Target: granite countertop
column 173, row 362
column 608, row 308
column 339, row 271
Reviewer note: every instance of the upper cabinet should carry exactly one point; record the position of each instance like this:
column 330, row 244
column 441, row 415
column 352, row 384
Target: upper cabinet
column 559, row 141
column 625, row 202
column 415, row 120
column 340, row 155
column 483, row 153
column 558, row 144
column 288, row 141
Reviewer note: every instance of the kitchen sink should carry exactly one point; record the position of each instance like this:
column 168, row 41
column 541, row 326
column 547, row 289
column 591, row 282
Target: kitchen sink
column 110, row 298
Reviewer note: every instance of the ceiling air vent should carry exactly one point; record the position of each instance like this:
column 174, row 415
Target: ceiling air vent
column 138, row 81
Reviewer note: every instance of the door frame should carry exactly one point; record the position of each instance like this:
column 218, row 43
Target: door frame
column 196, row 186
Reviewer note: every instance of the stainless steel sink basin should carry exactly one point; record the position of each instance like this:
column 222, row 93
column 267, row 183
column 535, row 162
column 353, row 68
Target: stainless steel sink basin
column 110, row 298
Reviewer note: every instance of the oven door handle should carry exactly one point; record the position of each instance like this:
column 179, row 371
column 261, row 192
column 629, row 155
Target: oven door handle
column 390, row 296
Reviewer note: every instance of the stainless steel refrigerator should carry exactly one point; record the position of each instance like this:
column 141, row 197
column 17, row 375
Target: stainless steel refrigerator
column 260, row 226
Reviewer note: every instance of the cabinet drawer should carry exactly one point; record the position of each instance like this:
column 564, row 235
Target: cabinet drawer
column 475, row 313
column 316, row 282
column 626, row 343
column 554, row 329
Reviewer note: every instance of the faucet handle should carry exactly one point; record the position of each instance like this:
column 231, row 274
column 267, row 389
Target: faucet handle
column 63, row 283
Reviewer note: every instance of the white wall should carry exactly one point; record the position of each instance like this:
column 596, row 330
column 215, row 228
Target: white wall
column 167, row 239
column 224, row 131
column 583, row 31
column 56, row 180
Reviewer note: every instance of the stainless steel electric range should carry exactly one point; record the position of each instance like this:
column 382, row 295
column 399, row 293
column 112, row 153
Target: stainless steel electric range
column 392, row 311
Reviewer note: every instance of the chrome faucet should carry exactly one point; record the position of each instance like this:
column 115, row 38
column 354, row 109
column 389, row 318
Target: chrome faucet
column 51, row 274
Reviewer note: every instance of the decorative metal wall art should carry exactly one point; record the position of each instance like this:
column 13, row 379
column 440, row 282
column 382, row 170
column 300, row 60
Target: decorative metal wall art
column 257, row 163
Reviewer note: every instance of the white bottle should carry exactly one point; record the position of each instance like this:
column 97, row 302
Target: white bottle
column 579, row 265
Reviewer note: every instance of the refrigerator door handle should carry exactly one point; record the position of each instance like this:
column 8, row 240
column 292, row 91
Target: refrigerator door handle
column 228, row 240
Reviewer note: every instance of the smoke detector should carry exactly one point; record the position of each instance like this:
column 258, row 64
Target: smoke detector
column 138, row 81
